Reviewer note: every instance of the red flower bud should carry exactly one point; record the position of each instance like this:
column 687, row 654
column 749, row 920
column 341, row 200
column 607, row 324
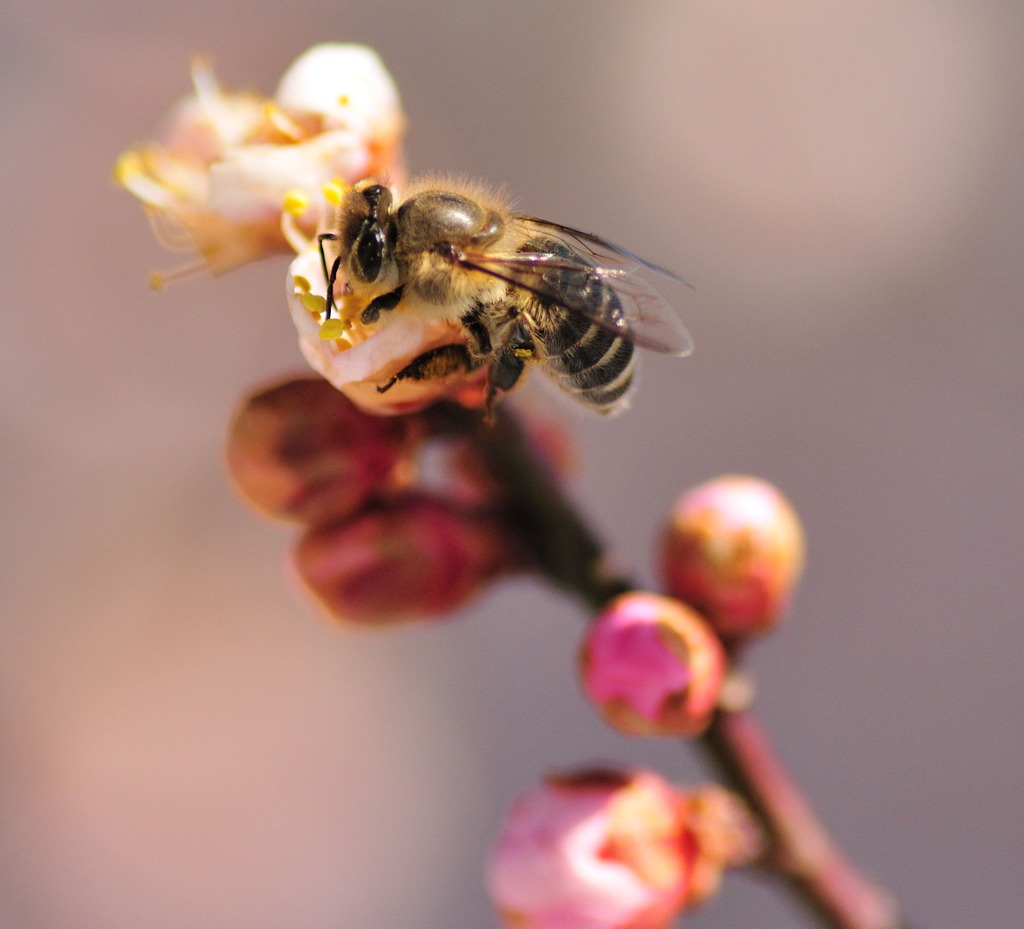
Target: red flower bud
column 608, row 850
column 733, row 549
column 652, row 666
column 415, row 558
column 302, row 451
column 725, row 835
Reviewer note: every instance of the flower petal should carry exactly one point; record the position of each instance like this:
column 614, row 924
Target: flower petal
column 366, row 358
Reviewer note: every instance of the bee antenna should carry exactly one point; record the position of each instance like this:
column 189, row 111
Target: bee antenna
column 330, row 276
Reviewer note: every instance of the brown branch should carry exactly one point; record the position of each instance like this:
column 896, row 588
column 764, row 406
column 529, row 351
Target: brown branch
column 800, row 850
column 559, row 544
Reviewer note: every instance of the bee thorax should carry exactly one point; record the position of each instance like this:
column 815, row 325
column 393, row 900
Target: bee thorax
column 436, row 279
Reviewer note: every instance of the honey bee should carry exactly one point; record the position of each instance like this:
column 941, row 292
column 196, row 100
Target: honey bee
column 522, row 289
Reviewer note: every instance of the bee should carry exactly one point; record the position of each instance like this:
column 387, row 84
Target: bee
column 522, row 289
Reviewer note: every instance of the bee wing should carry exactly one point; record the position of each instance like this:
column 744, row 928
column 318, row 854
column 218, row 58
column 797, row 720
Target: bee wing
column 640, row 314
column 597, row 249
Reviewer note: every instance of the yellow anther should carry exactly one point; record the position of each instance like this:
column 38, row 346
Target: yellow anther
column 273, row 114
column 158, row 280
column 344, row 100
column 314, row 304
column 302, row 285
column 128, row 165
column 332, row 329
column 296, row 202
column 334, row 191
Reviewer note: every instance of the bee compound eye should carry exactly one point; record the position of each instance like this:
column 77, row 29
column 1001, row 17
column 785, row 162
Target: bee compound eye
column 369, row 253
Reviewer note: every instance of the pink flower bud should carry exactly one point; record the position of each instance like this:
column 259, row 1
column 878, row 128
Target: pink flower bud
column 652, row 666
column 302, row 451
column 607, row 850
column 418, row 557
column 724, row 833
column 733, row 549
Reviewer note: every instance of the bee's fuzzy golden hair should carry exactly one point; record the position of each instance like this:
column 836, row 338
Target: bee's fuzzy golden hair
column 487, row 196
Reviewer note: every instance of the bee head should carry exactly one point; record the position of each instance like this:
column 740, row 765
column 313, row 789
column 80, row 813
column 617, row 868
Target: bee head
column 366, row 232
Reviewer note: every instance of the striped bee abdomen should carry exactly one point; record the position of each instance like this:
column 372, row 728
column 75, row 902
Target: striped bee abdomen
column 588, row 360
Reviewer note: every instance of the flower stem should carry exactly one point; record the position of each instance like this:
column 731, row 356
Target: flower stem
column 558, row 542
column 567, row 552
column 799, row 850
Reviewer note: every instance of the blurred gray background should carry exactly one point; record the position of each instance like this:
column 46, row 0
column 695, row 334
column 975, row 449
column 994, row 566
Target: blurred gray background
column 184, row 745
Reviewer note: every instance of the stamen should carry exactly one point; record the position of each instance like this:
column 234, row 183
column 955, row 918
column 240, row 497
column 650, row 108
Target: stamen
column 296, row 202
column 334, row 329
column 158, row 280
column 204, row 82
column 334, row 191
column 314, row 304
column 223, row 115
column 169, row 229
column 127, row 165
column 282, row 122
column 131, row 173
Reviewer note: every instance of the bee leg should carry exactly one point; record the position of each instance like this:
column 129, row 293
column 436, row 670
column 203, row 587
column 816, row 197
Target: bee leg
column 507, row 368
column 505, row 372
column 432, row 365
column 479, row 338
column 502, row 376
column 380, row 304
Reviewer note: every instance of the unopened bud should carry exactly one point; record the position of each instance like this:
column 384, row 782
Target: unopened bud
column 613, row 850
column 417, row 557
column 724, row 833
column 733, row 550
column 652, row 666
column 302, row 451
column 597, row 850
